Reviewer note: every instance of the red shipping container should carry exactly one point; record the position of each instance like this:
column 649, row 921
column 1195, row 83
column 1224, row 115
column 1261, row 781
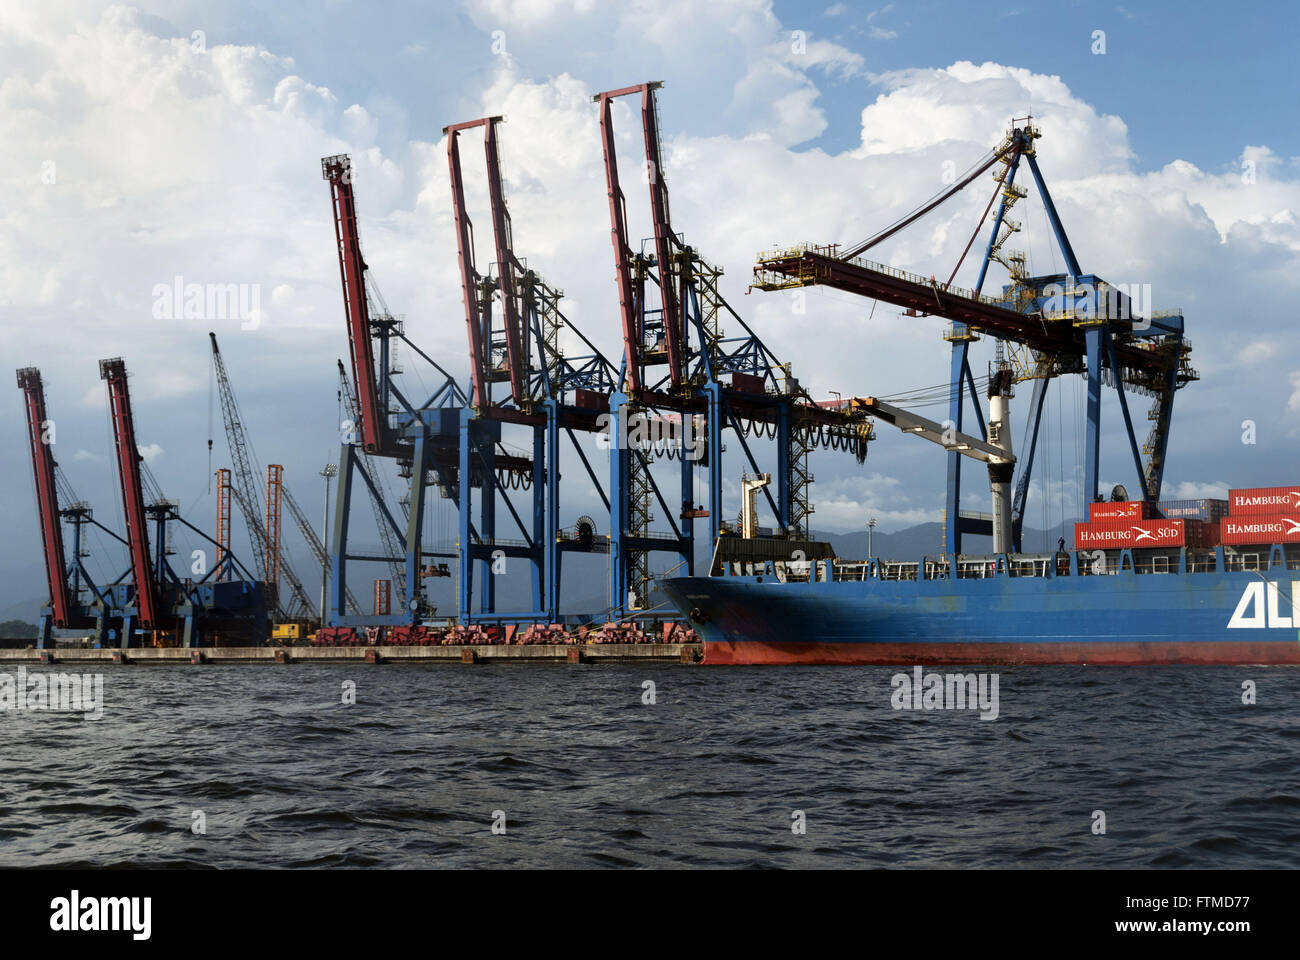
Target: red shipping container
column 1165, row 533
column 747, row 382
column 1103, row 535
column 590, row 400
column 1122, row 534
column 1263, row 501
column 1119, row 509
column 1262, row 530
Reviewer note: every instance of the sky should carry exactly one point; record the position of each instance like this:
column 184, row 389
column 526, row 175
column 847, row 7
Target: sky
column 148, row 142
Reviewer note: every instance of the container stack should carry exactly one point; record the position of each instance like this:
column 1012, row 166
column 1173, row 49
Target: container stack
column 1262, row 515
column 1207, row 511
column 1127, row 524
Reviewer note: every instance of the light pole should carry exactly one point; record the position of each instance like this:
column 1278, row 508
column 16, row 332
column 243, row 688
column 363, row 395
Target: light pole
column 328, row 473
column 871, row 526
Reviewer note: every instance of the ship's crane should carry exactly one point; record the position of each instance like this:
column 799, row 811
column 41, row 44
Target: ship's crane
column 1053, row 325
column 247, row 494
column 995, row 451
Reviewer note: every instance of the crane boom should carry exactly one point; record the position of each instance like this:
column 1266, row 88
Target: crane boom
column 926, row 429
column 337, row 170
column 618, row 237
column 128, row 469
column 47, row 498
column 476, row 310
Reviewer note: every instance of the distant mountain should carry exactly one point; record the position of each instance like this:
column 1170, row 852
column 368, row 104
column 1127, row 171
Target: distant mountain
column 28, row 610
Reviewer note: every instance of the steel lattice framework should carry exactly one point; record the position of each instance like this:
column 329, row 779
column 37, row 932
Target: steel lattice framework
column 1053, row 325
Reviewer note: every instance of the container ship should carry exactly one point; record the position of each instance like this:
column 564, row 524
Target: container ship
column 1201, row 592
column 1147, row 580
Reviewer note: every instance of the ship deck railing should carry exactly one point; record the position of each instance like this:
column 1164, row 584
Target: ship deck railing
column 1090, row 563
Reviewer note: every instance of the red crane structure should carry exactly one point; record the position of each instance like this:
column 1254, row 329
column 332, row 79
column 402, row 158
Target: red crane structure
column 671, row 312
column 47, row 499
column 337, row 171
column 145, row 613
column 148, row 595
column 668, row 333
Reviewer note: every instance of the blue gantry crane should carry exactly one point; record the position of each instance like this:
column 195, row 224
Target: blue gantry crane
column 1049, row 325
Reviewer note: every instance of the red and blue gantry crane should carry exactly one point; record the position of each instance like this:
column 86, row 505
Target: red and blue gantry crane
column 670, row 315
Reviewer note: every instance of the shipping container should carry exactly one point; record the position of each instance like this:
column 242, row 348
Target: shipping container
column 1208, row 511
column 1261, row 530
column 590, row 400
column 1119, row 509
column 747, row 382
column 1167, row 533
column 1103, row 535
column 1263, row 501
column 1121, row 534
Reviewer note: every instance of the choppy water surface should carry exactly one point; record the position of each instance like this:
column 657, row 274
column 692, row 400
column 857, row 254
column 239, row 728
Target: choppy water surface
column 586, row 774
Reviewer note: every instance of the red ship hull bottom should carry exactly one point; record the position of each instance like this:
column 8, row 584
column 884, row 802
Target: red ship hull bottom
column 908, row 654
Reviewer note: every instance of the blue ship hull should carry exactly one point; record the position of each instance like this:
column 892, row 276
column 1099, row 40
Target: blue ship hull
column 1224, row 617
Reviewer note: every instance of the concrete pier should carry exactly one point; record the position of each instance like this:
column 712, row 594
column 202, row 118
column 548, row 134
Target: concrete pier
column 479, row 653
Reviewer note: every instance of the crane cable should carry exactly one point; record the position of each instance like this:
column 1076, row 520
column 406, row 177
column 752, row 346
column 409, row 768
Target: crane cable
column 979, row 167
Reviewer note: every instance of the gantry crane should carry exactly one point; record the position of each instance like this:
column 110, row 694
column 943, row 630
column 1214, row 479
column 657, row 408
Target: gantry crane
column 513, row 325
column 1052, row 325
column 423, row 438
column 156, row 600
column 671, row 311
column 548, row 392
column 65, row 608
column 145, row 612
